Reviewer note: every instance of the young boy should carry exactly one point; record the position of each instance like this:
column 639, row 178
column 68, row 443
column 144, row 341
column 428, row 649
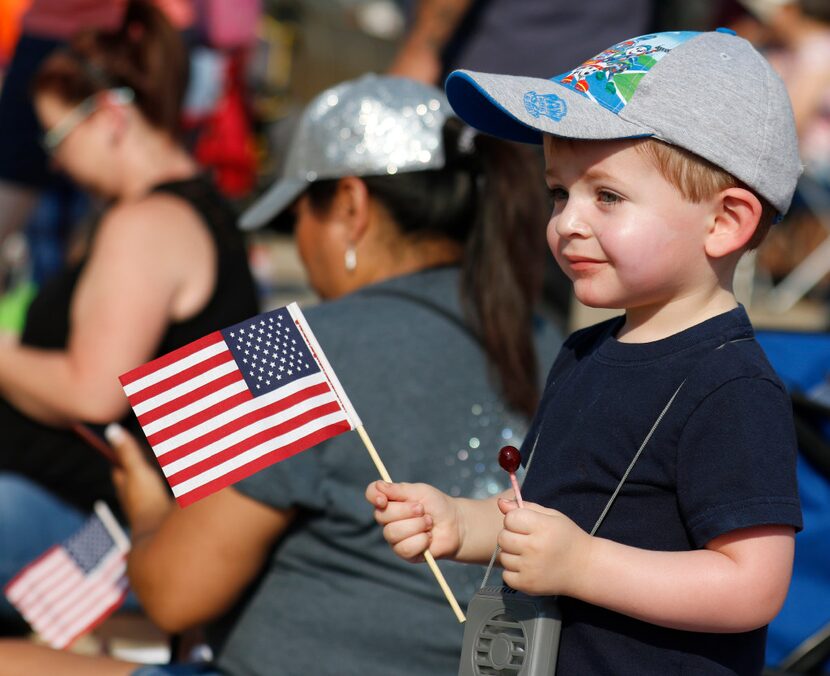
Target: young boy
column 667, row 156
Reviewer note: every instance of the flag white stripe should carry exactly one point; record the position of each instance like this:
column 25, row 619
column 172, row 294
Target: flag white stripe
column 232, row 414
column 308, row 335
column 187, row 386
column 53, row 602
column 244, row 433
column 257, row 452
column 103, row 582
column 59, row 619
column 61, row 636
column 34, row 576
column 68, row 577
column 196, row 407
column 176, row 367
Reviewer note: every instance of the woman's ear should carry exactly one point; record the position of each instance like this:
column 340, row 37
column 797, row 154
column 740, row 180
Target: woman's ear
column 736, row 217
column 351, row 207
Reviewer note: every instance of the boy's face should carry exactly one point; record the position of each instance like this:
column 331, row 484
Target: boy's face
column 624, row 235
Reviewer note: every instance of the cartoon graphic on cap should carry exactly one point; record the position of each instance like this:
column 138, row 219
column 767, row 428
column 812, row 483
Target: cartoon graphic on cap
column 612, row 76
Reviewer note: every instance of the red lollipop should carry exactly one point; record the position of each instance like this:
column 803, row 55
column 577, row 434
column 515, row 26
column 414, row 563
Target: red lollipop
column 510, row 459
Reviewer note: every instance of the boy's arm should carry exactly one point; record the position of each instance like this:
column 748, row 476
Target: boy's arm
column 737, row 583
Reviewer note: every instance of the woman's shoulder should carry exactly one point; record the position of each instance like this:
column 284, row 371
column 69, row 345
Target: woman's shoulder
column 155, row 217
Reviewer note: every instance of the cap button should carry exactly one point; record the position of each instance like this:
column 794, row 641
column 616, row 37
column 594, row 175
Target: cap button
column 728, row 31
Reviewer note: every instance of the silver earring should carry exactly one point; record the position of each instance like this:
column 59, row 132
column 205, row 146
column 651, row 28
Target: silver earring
column 350, row 259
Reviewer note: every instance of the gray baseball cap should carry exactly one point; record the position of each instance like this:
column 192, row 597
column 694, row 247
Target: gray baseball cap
column 372, row 126
column 711, row 93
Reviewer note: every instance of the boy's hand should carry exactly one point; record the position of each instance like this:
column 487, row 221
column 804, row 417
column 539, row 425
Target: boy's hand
column 415, row 518
column 543, row 552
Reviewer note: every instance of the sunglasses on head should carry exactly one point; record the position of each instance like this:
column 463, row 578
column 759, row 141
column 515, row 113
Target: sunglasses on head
column 56, row 135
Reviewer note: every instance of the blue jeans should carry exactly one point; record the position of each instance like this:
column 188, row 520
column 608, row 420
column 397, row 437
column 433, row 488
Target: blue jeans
column 31, row 521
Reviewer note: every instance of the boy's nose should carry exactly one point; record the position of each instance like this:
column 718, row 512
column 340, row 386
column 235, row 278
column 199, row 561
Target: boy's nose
column 570, row 223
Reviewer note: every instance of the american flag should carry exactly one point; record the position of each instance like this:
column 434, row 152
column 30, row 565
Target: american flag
column 229, row 404
column 74, row 586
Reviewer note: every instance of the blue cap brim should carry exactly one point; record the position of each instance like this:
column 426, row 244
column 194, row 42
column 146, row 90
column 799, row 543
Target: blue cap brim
column 480, row 110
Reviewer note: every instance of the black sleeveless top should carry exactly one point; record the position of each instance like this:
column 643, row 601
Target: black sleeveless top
column 57, row 458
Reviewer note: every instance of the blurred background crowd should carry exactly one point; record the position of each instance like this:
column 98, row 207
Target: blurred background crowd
column 252, row 65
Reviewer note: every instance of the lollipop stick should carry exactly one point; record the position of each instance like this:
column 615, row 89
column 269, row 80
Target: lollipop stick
column 436, row 571
column 516, row 489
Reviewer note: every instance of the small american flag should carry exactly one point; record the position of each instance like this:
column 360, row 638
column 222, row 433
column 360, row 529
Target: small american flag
column 74, row 586
column 229, row 404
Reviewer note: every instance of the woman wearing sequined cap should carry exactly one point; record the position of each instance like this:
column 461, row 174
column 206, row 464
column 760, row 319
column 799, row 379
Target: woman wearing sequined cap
column 424, row 243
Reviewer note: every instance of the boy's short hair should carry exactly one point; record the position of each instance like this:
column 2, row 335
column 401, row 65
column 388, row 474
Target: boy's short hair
column 711, row 94
column 698, row 179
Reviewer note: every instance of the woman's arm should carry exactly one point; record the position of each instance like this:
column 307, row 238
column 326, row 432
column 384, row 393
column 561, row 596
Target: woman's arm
column 737, row 583
column 149, row 261
column 189, row 565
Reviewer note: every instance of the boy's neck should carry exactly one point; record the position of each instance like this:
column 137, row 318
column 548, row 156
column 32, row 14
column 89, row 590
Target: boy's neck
column 649, row 323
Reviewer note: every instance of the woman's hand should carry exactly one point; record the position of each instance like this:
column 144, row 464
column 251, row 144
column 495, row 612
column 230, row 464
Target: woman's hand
column 141, row 490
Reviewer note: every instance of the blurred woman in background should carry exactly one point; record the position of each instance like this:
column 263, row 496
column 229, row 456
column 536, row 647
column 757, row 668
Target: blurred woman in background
column 164, row 266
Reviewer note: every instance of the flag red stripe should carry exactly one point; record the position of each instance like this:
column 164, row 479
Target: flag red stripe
column 190, row 397
column 198, row 418
column 233, row 425
column 179, row 378
column 53, row 585
column 263, row 461
column 252, row 441
column 98, row 620
column 63, row 610
column 93, row 593
column 170, row 358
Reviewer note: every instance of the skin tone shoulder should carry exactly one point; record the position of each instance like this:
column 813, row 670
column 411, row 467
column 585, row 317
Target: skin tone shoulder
column 152, row 262
column 627, row 239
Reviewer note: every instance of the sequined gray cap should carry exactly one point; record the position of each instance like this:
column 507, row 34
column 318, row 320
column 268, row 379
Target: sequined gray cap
column 372, row 126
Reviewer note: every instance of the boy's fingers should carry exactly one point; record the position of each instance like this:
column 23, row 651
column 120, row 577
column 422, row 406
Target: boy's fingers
column 506, row 505
column 395, row 511
column 394, row 492
column 399, row 531
column 413, row 548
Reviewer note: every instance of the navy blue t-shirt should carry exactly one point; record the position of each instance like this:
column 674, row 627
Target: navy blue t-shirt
column 722, row 458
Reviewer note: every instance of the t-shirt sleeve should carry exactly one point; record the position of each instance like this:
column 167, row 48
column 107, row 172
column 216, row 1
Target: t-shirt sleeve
column 736, row 461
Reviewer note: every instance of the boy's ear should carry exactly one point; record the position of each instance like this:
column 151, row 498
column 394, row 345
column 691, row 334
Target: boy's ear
column 737, row 212
column 351, row 207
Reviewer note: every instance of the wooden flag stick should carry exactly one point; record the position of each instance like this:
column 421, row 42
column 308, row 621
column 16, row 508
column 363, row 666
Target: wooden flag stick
column 436, row 571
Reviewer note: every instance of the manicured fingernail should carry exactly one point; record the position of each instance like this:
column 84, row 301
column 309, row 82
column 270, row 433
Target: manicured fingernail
column 114, row 433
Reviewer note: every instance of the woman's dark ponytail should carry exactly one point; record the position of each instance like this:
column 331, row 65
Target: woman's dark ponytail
column 504, row 263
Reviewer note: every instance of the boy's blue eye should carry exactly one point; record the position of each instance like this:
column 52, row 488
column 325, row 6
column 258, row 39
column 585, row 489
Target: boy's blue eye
column 607, row 197
column 558, row 194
